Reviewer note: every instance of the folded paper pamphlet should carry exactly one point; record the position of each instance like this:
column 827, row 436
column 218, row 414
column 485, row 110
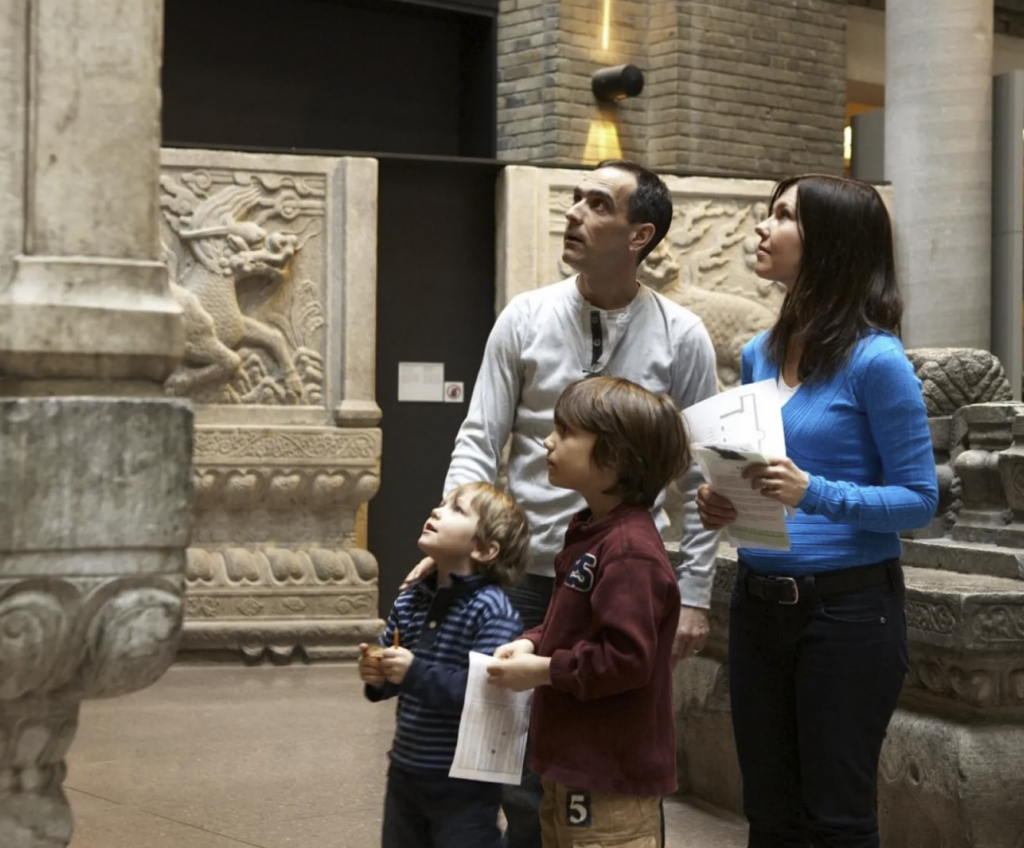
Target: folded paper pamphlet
column 734, row 429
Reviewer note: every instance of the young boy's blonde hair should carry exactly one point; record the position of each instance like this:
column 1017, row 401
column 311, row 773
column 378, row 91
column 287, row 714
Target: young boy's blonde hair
column 639, row 433
column 501, row 520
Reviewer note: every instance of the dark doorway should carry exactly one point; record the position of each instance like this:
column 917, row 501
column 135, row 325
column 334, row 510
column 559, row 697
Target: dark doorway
column 435, row 303
column 370, row 76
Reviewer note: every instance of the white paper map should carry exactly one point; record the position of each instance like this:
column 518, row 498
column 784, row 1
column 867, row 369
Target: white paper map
column 492, row 733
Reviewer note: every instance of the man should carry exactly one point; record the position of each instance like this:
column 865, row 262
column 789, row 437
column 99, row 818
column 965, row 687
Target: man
column 600, row 321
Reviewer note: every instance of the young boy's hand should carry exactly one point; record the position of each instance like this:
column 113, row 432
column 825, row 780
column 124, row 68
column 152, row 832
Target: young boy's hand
column 515, row 649
column 521, row 672
column 395, row 663
column 370, row 671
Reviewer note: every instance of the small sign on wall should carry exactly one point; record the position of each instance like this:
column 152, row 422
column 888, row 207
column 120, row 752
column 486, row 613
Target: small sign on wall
column 421, row 382
column 454, row 392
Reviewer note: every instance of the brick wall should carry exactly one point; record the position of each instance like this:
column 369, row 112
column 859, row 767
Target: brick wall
column 733, row 86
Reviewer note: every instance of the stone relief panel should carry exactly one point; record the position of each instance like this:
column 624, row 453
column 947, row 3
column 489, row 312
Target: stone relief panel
column 273, row 261
column 244, row 261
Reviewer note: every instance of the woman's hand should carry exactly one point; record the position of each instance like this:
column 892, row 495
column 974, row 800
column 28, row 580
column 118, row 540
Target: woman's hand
column 715, row 511
column 779, row 480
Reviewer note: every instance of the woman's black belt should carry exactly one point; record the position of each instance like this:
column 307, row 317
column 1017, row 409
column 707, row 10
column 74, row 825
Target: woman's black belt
column 782, row 589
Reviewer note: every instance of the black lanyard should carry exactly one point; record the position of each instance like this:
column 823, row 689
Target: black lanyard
column 597, row 345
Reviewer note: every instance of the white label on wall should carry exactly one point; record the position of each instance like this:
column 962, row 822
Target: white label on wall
column 421, row 381
column 454, row 392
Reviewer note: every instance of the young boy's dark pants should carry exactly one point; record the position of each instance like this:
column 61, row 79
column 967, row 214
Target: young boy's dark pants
column 437, row 811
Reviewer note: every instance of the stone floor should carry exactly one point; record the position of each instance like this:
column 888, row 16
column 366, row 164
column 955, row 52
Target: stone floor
column 222, row 757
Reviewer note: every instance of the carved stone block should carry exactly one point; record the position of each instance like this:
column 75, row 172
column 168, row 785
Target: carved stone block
column 273, row 262
column 952, row 377
column 951, row 784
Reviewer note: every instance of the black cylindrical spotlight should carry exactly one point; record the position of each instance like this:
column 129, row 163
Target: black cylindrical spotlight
column 611, row 84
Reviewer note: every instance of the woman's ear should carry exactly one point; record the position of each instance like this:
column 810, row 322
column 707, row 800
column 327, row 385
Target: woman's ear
column 486, row 552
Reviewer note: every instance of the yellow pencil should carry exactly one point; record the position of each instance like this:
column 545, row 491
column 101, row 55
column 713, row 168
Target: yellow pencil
column 395, row 643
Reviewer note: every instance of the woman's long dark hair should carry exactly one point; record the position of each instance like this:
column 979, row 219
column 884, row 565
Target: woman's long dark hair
column 846, row 286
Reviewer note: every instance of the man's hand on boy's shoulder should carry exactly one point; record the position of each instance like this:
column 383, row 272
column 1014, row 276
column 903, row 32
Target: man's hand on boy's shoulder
column 419, row 571
column 370, row 671
column 520, row 671
column 395, row 664
column 691, row 634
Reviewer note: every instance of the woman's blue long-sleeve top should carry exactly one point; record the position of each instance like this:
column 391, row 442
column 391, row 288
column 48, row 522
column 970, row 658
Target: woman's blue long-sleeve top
column 862, row 436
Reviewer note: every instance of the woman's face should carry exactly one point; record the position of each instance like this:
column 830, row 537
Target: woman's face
column 781, row 245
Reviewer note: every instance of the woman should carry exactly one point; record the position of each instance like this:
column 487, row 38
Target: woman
column 817, row 634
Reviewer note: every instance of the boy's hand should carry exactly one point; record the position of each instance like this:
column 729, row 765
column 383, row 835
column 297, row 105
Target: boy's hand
column 421, row 570
column 370, row 671
column 521, row 672
column 395, row 663
column 515, row 649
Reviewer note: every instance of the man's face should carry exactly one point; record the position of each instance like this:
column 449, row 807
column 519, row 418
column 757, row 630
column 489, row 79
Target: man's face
column 598, row 234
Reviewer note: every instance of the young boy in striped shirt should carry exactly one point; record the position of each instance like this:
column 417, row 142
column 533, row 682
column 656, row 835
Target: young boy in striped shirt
column 478, row 538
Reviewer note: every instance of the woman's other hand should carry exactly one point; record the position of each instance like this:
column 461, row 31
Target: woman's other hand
column 715, row 511
column 779, row 480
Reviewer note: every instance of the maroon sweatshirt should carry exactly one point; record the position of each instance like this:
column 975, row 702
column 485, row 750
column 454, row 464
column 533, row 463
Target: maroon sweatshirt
column 606, row 723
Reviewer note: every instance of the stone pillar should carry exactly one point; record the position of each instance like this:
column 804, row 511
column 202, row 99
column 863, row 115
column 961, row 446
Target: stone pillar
column 95, row 462
column 938, row 156
column 734, row 86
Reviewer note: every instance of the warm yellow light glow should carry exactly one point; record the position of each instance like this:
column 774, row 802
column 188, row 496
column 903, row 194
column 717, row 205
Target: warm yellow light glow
column 606, row 27
column 602, row 142
column 847, row 144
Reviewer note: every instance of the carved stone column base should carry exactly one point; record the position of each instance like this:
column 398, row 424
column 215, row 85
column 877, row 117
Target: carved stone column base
column 95, row 507
column 34, row 738
column 953, row 785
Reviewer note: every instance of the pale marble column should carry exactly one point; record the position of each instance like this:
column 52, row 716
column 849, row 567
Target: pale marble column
column 938, row 156
column 95, row 462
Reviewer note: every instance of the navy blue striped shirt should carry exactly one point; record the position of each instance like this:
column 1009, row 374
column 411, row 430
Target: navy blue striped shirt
column 440, row 626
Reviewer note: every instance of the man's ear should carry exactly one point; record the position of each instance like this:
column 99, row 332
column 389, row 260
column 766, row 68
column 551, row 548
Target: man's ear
column 641, row 237
column 486, row 552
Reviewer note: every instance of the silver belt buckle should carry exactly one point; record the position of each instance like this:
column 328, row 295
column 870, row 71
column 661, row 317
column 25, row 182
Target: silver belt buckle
column 796, row 590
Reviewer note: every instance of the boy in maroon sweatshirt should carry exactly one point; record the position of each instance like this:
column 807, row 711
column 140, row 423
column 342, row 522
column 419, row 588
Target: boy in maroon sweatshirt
column 603, row 731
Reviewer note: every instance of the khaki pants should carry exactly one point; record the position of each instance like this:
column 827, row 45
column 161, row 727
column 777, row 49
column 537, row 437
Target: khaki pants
column 572, row 818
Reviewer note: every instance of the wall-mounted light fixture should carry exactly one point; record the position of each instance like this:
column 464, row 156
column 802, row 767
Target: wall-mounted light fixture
column 618, row 83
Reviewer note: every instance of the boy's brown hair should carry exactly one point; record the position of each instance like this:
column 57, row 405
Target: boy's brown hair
column 638, row 432
column 499, row 519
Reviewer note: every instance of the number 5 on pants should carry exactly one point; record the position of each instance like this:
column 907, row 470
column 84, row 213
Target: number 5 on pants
column 577, row 808
column 586, row 818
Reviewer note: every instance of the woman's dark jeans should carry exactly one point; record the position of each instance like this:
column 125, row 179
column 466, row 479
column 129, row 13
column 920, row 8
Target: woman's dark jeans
column 814, row 685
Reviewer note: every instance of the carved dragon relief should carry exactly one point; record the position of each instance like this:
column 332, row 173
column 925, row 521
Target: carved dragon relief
column 253, row 325
column 705, row 263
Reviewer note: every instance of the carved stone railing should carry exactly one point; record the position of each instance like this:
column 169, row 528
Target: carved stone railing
column 273, row 261
column 950, row 773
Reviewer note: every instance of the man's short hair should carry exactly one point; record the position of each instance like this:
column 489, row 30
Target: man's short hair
column 501, row 520
column 650, row 202
column 638, row 432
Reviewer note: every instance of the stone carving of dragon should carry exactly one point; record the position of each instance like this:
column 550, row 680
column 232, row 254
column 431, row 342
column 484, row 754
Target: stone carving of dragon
column 217, row 242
